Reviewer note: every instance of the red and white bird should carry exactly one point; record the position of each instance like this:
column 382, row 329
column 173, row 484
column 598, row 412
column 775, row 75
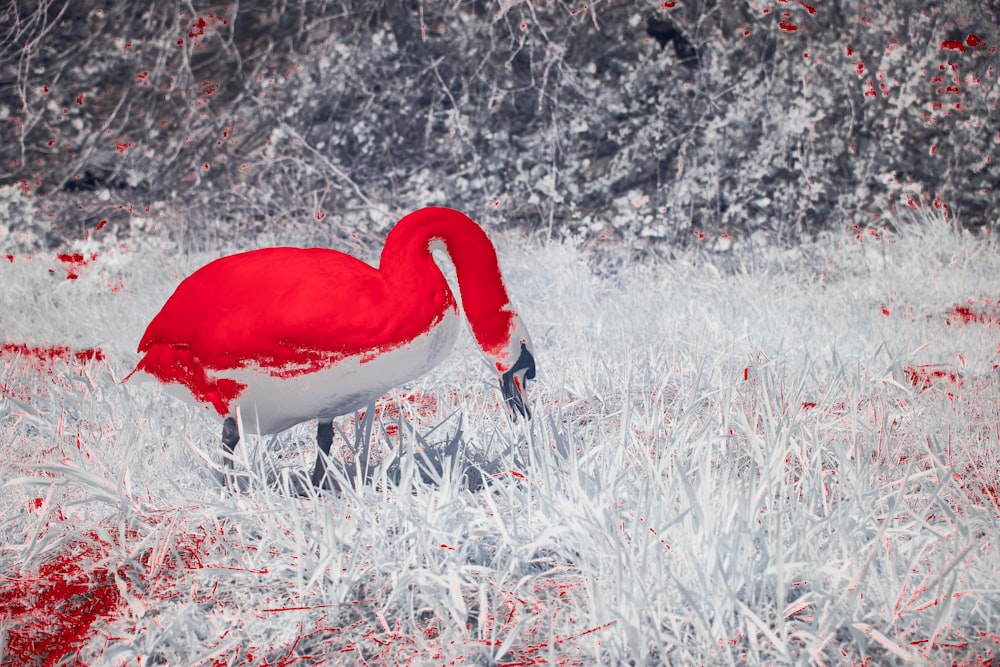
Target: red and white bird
column 285, row 335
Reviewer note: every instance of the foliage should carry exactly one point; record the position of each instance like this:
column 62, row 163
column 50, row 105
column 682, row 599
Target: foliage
column 662, row 120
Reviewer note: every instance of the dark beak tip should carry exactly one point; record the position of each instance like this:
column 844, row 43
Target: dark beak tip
column 513, row 396
column 526, row 361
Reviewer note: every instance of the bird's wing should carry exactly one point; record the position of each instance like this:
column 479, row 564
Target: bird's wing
column 273, row 307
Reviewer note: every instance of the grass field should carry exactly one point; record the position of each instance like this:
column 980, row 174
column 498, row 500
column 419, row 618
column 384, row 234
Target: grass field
column 768, row 457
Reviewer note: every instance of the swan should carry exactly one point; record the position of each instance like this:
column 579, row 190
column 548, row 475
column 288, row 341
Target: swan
column 279, row 336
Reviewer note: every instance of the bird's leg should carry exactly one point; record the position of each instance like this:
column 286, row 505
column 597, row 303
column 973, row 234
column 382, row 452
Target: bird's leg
column 324, row 440
column 230, row 438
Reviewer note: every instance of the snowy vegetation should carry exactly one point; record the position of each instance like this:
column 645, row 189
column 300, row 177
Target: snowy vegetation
column 787, row 460
column 754, row 243
column 644, row 120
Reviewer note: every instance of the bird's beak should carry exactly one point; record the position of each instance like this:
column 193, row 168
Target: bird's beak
column 514, row 381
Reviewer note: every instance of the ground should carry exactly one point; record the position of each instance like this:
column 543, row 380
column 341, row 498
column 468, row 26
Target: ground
column 739, row 456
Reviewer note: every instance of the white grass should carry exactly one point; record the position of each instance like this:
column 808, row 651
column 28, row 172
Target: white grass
column 725, row 466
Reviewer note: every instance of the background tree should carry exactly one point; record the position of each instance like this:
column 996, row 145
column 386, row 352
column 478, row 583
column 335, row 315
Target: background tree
column 664, row 120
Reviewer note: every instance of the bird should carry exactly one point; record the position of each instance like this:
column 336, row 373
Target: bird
column 279, row 336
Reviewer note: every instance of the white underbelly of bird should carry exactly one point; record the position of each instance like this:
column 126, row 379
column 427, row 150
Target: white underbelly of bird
column 274, row 402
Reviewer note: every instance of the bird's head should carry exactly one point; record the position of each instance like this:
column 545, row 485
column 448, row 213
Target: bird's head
column 513, row 381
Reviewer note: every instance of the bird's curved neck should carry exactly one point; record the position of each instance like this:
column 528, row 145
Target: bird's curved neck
column 407, row 264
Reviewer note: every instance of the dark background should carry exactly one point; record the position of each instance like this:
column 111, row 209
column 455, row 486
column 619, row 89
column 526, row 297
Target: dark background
column 642, row 121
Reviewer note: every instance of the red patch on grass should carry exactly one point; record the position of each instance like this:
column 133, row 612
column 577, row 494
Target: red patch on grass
column 40, row 361
column 975, row 311
column 75, row 262
column 980, row 485
column 49, row 614
column 42, row 356
column 925, row 375
column 416, row 404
